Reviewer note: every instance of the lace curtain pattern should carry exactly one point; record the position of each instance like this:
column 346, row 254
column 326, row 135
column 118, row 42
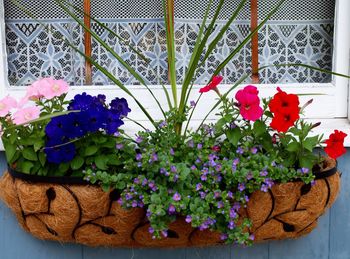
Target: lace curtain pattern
column 301, row 32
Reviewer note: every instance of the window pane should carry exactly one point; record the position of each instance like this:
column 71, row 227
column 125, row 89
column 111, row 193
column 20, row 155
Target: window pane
column 301, row 32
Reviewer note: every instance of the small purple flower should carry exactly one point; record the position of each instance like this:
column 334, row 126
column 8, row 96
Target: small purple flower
column 199, row 146
column 304, row 170
column 193, row 167
column 264, row 188
column 163, row 124
column 141, row 204
column 246, row 198
column 240, row 150
column 148, row 213
column 188, row 219
column 171, row 209
column 235, row 161
column 138, row 157
column 190, row 144
column 154, row 157
column 223, row 237
column 252, row 237
column 254, row 150
column 269, row 182
column 232, row 125
column 162, row 171
column 152, row 185
column 139, row 139
column 199, row 186
column 134, row 204
column 173, row 169
column 120, row 201
column 264, row 173
column 165, row 233
column 151, row 230
column 128, row 196
column 176, row 177
column 198, row 161
column 139, row 164
column 220, row 204
column 203, row 195
column 241, row 187
column 116, row 134
column 313, row 183
column 136, row 180
column 176, row 197
column 144, row 182
column 231, row 225
column 229, row 194
column 233, row 213
column 216, row 194
column 119, row 146
column 249, row 176
column 192, row 103
column 203, row 177
column 236, row 206
column 172, row 152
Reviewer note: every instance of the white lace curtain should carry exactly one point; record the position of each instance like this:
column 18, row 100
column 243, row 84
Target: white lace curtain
column 302, row 31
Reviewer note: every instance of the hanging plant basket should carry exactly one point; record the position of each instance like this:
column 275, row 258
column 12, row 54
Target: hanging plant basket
column 66, row 210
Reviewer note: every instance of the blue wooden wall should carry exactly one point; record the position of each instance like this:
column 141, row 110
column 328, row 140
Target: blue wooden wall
column 331, row 240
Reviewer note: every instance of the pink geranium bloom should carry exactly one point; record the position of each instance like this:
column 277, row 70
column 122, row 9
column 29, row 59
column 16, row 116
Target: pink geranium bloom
column 212, row 85
column 47, row 88
column 249, row 103
column 26, row 114
column 6, row 104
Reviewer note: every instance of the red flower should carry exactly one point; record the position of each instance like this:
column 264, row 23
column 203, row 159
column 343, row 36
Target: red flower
column 335, row 144
column 212, row 85
column 285, row 119
column 282, row 100
column 285, row 108
column 249, row 103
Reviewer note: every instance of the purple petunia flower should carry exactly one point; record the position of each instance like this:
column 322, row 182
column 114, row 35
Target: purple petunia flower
column 176, row 197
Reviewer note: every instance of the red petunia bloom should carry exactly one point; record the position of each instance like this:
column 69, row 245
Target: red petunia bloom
column 249, row 103
column 335, row 144
column 284, row 119
column 212, row 85
column 285, row 108
column 282, row 100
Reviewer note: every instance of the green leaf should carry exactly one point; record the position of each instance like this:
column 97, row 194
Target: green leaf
column 307, row 160
column 105, row 187
column 91, row 150
column 259, row 128
column 310, row 143
column 77, row 163
column 25, row 166
column 10, row 151
column 101, row 162
column 40, row 143
column 29, row 154
column 42, row 158
column 63, row 168
column 293, row 147
column 234, row 136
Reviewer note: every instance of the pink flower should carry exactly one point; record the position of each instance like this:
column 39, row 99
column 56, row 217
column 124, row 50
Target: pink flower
column 212, row 85
column 6, row 104
column 26, row 114
column 249, row 102
column 47, row 88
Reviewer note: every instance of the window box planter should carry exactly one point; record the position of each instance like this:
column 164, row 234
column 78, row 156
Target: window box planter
column 69, row 211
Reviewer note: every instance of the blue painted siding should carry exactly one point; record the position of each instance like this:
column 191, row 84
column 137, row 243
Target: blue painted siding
column 331, row 240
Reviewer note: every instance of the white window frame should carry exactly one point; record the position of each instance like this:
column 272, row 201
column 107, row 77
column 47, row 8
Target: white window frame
column 331, row 108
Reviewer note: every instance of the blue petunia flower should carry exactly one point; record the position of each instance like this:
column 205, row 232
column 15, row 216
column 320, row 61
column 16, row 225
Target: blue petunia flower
column 120, row 106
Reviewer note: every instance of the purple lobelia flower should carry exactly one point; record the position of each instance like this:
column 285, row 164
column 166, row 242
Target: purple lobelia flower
column 176, row 197
column 171, row 209
column 188, row 219
column 241, row 187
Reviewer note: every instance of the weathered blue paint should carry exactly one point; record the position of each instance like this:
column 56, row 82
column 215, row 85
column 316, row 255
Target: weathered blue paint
column 330, row 240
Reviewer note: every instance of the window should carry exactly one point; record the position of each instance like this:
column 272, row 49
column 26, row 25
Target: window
column 303, row 31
